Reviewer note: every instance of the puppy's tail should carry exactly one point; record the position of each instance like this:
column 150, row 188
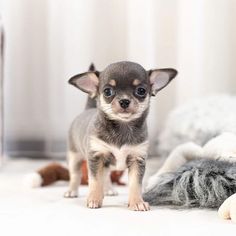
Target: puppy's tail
column 46, row 175
column 200, row 183
column 91, row 102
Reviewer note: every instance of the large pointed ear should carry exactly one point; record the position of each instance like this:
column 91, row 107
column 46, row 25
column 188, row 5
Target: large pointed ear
column 160, row 78
column 87, row 82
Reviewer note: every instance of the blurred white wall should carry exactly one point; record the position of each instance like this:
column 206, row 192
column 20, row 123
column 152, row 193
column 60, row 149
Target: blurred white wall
column 47, row 41
column 206, row 48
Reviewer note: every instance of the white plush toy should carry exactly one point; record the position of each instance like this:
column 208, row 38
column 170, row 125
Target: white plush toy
column 200, row 141
column 220, row 150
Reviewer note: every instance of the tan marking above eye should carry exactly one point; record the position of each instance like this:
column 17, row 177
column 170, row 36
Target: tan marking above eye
column 136, row 82
column 112, row 82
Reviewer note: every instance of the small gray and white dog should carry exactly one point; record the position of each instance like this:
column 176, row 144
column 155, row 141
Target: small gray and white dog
column 112, row 131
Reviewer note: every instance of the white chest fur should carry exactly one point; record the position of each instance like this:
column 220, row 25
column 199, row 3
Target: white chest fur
column 120, row 154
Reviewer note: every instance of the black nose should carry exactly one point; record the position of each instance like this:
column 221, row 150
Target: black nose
column 124, row 103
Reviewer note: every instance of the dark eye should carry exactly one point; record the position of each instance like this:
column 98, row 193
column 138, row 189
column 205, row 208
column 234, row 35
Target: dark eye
column 108, row 92
column 140, row 91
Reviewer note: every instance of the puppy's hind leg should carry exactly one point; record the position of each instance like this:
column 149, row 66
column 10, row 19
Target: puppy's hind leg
column 108, row 188
column 74, row 164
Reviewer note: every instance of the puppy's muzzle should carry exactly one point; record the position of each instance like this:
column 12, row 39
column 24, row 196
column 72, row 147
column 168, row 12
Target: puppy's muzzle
column 124, row 103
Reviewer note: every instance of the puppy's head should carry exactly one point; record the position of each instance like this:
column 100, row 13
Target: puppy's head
column 123, row 89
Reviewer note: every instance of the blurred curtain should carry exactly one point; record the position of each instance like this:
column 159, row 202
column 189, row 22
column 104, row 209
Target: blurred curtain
column 47, row 41
column 1, row 91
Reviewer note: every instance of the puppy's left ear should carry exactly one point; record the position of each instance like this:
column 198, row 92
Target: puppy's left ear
column 87, row 82
column 160, row 78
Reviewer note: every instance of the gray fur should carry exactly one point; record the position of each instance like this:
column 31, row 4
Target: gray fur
column 94, row 162
column 80, row 130
column 95, row 122
column 141, row 169
column 140, row 164
column 120, row 133
column 106, row 126
column 91, row 103
column 124, row 73
column 201, row 183
column 112, row 132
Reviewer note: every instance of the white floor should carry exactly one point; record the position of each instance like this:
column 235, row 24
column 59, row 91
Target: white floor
column 44, row 211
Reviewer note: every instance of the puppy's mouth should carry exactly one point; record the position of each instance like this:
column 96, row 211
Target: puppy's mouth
column 125, row 113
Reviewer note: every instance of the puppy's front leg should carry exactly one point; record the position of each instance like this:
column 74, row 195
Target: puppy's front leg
column 136, row 172
column 96, row 169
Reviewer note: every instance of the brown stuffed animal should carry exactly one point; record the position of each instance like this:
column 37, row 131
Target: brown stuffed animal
column 55, row 172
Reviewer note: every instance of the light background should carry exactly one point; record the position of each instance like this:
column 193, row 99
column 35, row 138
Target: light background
column 47, row 41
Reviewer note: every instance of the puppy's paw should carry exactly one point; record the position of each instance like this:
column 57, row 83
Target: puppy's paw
column 110, row 192
column 228, row 209
column 94, row 203
column 139, row 206
column 71, row 194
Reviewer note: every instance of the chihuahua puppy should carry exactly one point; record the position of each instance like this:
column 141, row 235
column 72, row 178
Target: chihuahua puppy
column 112, row 133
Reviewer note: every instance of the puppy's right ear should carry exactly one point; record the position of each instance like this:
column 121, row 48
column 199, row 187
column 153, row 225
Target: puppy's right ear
column 87, row 82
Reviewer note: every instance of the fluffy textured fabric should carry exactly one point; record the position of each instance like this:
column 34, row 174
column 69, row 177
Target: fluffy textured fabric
column 198, row 121
column 201, row 183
